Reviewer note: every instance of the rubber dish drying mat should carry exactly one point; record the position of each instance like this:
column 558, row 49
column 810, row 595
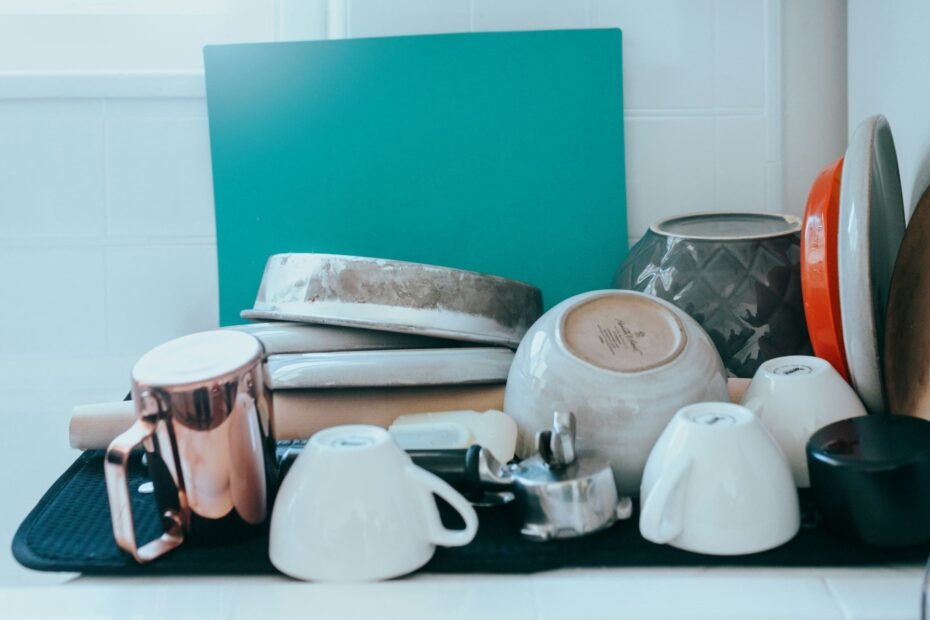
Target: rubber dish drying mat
column 70, row 531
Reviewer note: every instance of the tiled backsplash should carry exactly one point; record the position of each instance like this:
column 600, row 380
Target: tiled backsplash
column 888, row 75
column 107, row 244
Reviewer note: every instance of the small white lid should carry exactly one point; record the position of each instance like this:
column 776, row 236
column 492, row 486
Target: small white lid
column 195, row 358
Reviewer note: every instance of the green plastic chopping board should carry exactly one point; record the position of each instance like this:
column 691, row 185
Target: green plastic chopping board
column 495, row 152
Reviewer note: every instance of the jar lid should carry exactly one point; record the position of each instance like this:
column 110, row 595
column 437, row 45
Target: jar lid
column 722, row 226
column 872, row 441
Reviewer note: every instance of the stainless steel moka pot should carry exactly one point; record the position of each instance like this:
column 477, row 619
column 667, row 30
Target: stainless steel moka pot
column 559, row 493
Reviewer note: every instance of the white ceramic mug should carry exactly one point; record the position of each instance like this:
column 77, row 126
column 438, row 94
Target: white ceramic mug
column 717, row 483
column 795, row 396
column 354, row 507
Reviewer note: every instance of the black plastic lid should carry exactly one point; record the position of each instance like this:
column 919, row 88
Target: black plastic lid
column 877, row 441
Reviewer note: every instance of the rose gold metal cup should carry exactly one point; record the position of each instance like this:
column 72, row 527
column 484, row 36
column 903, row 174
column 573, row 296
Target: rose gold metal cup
column 204, row 418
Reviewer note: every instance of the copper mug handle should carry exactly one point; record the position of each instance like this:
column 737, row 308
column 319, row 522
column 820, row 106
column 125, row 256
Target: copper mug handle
column 115, row 470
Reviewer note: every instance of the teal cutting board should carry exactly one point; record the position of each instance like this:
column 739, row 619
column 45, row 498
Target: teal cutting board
column 496, row 152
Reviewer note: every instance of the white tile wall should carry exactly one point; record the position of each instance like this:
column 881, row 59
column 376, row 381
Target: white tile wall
column 513, row 15
column 670, row 168
column 98, row 36
column 377, row 18
column 108, row 242
column 106, row 203
column 52, row 169
column 668, row 51
column 888, row 75
column 739, row 163
column 54, row 300
column 739, row 54
column 158, row 158
column 157, row 292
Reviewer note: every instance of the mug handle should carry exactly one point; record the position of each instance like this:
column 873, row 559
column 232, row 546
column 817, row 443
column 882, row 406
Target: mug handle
column 657, row 522
column 115, row 471
column 438, row 533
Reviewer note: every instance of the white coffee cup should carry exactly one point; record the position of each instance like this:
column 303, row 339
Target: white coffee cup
column 354, row 507
column 795, row 396
column 717, row 483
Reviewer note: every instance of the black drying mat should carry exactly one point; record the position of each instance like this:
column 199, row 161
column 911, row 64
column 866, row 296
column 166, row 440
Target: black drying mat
column 70, row 531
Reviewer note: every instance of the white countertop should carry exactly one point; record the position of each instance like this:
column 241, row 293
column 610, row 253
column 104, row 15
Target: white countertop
column 31, row 409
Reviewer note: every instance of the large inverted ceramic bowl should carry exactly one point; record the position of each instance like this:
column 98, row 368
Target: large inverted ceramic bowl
column 737, row 274
column 623, row 363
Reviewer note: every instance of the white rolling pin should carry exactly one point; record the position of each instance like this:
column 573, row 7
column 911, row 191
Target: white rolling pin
column 93, row 427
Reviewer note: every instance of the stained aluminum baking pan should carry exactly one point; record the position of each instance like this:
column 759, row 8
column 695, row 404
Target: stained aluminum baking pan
column 396, row 296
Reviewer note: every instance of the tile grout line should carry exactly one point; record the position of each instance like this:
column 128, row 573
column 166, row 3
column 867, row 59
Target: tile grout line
column 715, row 47
column 717, row 170
column 106, row 167
column 278, row 19
column 65, row 242
column 837, row 600
column 107, row 225
column 773, row 40
column 692, row 112
column 347, row 25
column 534, row 592
column 715, row 14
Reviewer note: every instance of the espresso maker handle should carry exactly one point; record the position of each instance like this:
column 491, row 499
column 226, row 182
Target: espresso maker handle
column 458, row 467
column 115, row 470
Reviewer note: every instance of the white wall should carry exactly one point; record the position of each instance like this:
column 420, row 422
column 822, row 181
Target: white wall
column 889, row 74
column 814, row 98
column 107, row 242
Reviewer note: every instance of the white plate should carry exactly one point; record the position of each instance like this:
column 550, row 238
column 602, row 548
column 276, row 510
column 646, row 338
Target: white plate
column 402, row 368
column 871, row 229
column 284, row 337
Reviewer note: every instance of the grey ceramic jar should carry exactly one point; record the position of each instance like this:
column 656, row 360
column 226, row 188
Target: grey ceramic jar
column 737, row 274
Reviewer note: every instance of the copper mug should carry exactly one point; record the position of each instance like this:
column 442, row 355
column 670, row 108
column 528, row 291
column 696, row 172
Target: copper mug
column 204, row 418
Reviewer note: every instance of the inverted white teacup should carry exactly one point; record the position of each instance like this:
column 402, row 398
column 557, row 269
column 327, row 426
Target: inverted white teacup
column 717, row 483
column 354, row 507
column 795, row 396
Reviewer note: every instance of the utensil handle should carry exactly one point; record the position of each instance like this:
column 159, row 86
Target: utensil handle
column 438, row 533
column 93, row 427
column 661, row 517
column 116, row 472
column 458, row 467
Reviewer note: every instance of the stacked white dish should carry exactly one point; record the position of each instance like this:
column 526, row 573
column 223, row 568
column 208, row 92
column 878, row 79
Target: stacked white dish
column 353, row 340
